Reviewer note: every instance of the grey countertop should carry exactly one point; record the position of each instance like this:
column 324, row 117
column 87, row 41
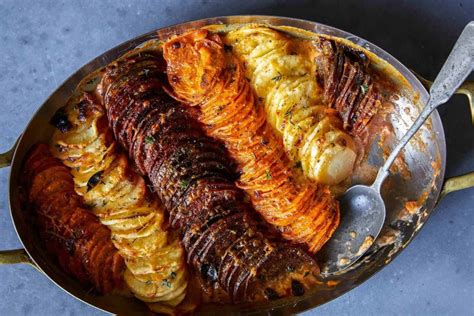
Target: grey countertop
column 43, row 42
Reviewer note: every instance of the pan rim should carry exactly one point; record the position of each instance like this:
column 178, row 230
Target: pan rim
column 132, row 43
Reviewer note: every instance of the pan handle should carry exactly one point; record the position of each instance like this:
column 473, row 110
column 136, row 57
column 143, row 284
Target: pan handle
column 467, row 88
column 6, row 157
column 457, row 183
column 16, row 255
column 467, row 180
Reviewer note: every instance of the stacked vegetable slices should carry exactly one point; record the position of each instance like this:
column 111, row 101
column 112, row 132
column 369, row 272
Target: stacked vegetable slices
column 79, row 241
column 203, row 73
column 119, row 197
column 283, row 74
column 235, row 256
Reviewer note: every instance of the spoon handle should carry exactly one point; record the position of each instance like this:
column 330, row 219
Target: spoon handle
column 457, row 67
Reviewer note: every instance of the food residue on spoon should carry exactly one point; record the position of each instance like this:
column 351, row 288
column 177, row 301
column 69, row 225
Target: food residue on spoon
column 343, row 261
column 368, row 241
column 388, row 238
column 346, row 260
column 332, row 283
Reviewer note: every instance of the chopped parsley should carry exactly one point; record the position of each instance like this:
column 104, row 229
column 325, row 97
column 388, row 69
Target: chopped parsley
column 149, row 140
column 364, row 88
column 268, row 174
column 184, row 184
column 173, row 275
column 289, row 114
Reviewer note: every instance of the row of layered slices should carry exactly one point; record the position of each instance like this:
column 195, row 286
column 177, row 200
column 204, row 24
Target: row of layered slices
column 182, row 148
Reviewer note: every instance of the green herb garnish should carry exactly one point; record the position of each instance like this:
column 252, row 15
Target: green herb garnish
column 184, row 184
column 149, row 140
column 364, row 88
column 268, row 174
column 289, row 114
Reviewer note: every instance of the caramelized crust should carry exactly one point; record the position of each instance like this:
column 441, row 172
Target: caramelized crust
column 204, row 74
column 191, row 173
column 348, row 86
column 156, row 271
column 74, row 235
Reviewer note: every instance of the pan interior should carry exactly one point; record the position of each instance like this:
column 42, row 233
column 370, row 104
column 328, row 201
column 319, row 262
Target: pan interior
column 409, row 200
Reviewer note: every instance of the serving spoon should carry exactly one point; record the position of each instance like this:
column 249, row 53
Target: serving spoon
column 362, row 207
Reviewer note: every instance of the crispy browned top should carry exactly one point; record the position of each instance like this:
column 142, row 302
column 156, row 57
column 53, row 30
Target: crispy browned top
column 348, row 84
column 202, row 72
column 191, row 173
column 73, row 234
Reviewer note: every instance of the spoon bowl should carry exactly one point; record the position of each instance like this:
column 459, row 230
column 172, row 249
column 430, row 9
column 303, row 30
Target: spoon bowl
column 362, row 218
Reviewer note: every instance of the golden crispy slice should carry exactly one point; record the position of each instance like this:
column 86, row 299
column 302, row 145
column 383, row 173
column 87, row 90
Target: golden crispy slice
column 203, row 73
column 283, row 74
column 120, row 199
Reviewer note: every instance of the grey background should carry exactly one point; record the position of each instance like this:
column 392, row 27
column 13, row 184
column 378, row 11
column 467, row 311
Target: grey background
column 43, row 42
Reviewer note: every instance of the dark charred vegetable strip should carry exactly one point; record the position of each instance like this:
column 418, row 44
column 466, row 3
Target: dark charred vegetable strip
column 348, row 85
column 225, row 243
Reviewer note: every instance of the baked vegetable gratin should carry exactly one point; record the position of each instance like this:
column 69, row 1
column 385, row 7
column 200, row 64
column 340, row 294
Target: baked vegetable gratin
column 204, row 169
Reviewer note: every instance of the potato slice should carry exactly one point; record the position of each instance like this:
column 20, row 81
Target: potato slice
column 143, row 246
